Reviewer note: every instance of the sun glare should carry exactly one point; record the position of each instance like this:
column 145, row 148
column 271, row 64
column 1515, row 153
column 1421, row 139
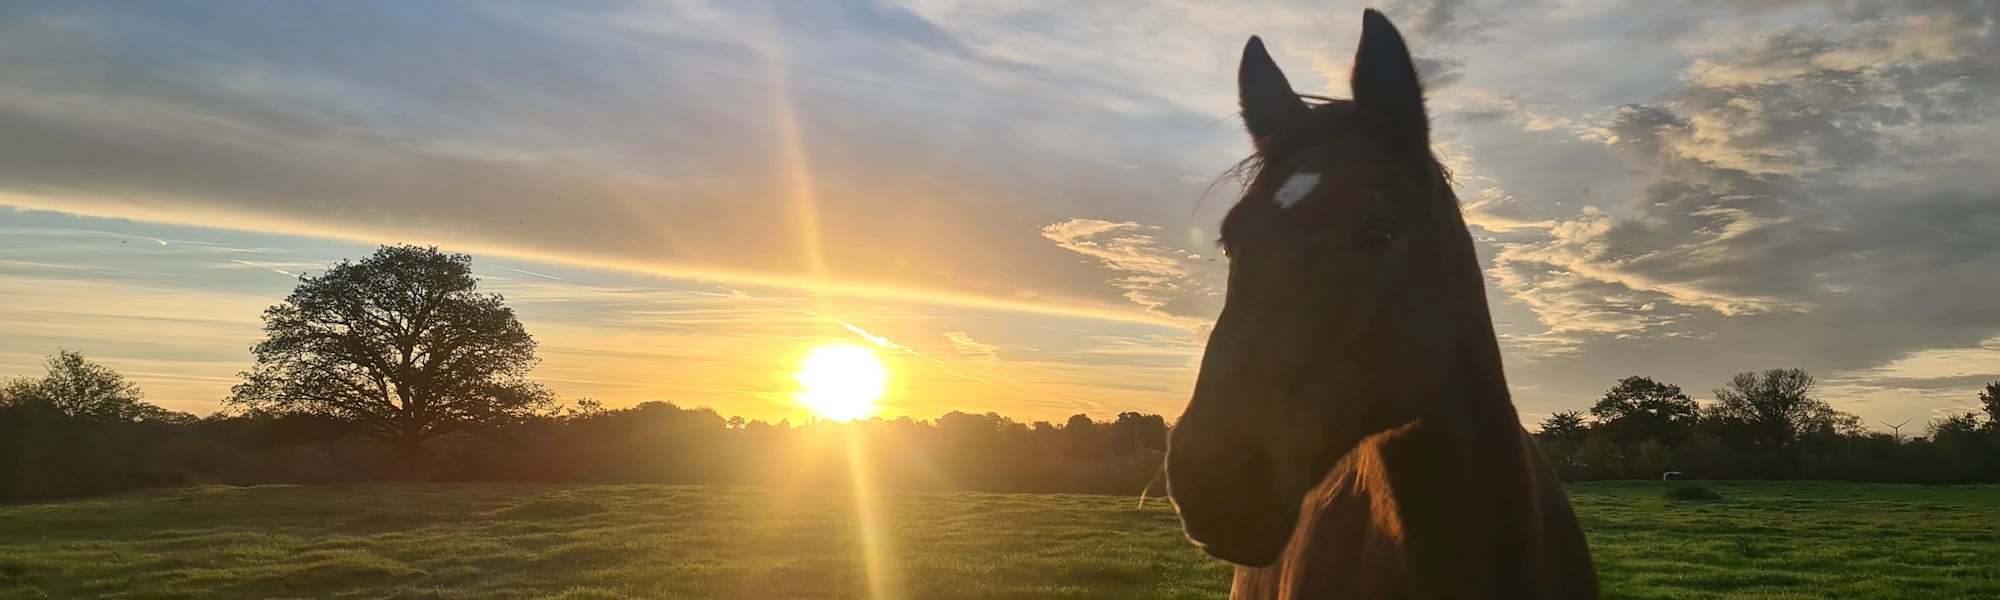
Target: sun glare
column 841, row 381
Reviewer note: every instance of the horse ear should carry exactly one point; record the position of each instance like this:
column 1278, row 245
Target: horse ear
column 1386, row 90
column 1267, row 98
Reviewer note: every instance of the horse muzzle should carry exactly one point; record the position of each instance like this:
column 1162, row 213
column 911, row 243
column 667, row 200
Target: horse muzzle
column 1231, row 504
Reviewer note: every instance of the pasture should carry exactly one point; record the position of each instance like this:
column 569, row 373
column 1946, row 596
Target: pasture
column 1761, row 540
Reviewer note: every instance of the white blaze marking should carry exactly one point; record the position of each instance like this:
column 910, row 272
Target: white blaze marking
column 1296, row 188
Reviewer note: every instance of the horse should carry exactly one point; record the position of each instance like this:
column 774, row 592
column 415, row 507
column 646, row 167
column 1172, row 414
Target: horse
column 1350, row 433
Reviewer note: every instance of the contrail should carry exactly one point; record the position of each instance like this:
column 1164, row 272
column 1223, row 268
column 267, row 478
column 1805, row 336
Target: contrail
column 260, row 266
column 878, row 340
column 526, row 272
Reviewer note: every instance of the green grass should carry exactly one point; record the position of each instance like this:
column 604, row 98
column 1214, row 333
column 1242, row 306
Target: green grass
column 1761, row 540
column 1793, row 540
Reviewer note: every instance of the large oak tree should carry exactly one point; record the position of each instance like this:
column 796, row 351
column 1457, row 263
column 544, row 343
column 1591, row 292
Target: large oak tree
column 400, row 345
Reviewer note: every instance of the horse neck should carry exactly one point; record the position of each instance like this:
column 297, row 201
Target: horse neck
column 1460, row 475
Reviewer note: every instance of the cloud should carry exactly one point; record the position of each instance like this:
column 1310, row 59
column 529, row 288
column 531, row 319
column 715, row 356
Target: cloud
column 1684, row 188
column 1495, row 210
column 872, row 338
column 1153, row 275
column 182, row 346
column 178, row 320
column 735, row 350
column 1479, row 104
column 687, row 138
column 1940, row 382
column 1807, row 192
column 907, row 147
column 1430, row 18
column 981, row 353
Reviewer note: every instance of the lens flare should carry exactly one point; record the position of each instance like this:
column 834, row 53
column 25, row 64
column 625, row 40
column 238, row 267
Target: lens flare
column 841, row 381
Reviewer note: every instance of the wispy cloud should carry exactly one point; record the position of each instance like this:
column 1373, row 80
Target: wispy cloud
column 1154, row 275
column 872, row 338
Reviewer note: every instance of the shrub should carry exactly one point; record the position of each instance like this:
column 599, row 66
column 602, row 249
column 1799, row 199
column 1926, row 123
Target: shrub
column 1693, row 493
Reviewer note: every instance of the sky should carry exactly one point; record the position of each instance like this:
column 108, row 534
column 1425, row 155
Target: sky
column 1013, row 201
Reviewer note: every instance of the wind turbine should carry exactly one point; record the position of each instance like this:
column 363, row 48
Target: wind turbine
column 1897, row 429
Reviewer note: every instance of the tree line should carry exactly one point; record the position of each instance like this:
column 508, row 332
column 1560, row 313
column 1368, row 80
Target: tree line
column 395, row 367
column 1763, row 425
column 83, row 430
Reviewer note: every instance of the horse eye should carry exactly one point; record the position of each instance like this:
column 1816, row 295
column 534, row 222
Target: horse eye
column 1378, row 231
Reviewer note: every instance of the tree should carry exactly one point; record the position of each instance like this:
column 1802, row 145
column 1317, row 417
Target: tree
column 1653, row 459
column 82, row 429
column 1083, row 438
column 1639, row 409
column 1776, row 409
column 1601, row 458
column 1566, row 426
column 399, row 345
column 1960, row 426
column 1135, row 432
column 1560, row 438
column 1989, row 398
column 587, row 407
column 78, row 388
column 1964, row 447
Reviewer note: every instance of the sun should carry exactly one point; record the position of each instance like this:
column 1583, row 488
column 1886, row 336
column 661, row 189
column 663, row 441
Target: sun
column 841, row 381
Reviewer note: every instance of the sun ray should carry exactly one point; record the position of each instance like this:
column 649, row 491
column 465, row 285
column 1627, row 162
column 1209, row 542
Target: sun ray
column 797, row 169
column 874, row 545
column 849, row 379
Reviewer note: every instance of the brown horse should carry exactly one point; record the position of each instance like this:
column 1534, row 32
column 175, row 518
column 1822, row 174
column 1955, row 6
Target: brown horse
column 1351, row 434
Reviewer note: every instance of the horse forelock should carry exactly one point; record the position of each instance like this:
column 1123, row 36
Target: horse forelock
column 1330, row 119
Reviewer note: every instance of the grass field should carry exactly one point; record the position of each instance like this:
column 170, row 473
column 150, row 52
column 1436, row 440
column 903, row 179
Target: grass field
column 1762, row 540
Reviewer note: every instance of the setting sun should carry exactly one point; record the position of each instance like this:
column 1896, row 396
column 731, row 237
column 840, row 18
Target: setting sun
column 841, row 382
